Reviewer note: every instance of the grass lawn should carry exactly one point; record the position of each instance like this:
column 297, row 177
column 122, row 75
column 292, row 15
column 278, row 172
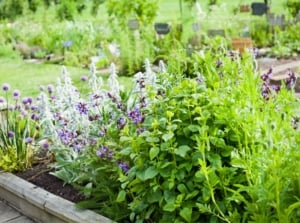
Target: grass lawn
column 28, row 77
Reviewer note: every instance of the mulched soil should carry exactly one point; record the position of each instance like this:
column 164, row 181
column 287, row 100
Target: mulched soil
column 40, row 175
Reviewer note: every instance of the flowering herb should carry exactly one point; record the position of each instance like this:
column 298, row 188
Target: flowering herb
column 5, row 87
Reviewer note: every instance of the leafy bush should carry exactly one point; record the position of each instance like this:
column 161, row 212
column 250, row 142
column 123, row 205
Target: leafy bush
column 293, row 7
column 10, row 9
column 194, row 160
column 178, row 149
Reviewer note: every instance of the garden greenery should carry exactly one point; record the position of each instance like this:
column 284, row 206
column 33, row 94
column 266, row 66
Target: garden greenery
column 19, row 129
column 221, row 146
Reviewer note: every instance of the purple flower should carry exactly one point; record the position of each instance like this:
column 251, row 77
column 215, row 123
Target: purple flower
column 5, row 87
column 124, row 166
column 50, row 88
column 136, row 115
column 45, row 145
column 34, row 117
column 34, row 108
column 291, row 80
column 82, row 108
column 105, row 153
column 267, row 76
column 28, row 140
column 84, row 78
column 102, row 151
column 2, row 100
column 265, row 91
column 66, row 136
column 10, row 134
column 16, row 94
column 121, row 122
column 27, row 101
column 275, row 88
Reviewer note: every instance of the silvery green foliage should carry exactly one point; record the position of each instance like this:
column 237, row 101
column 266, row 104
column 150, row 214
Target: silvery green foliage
column 75, row 121
column 113, row 81
column 95, row 82
column 49, row 130
column 150, row 75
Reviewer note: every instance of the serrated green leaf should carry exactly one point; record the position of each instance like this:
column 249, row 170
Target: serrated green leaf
column 182, row 150
column 154, row 151
column 121, row 196
column 166, row 137
column 186, row 214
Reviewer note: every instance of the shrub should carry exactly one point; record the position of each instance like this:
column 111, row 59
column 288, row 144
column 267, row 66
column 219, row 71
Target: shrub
column 196, row 149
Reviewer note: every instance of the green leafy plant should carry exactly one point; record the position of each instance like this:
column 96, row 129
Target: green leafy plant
column 18, row 133
column 293, row 7
column 11, row 9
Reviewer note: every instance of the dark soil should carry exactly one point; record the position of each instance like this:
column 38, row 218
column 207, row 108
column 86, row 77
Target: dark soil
column 39, row 175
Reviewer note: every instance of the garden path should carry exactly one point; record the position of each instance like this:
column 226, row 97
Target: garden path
column 10, row 215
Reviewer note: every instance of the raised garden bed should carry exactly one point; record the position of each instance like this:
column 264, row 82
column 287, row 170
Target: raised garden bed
column 41, row 205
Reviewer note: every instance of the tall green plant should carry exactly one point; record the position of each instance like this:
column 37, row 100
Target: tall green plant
column 17, row 133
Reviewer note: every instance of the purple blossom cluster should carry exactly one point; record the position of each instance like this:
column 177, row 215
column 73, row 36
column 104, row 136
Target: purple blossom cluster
column 124, row 166
column 268, row 88
column 82, row 108
column 291, row 80
column 105, row 153
column 136, row 115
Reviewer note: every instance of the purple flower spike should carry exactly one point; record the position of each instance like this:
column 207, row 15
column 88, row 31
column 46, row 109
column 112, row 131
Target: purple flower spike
column 82, row 108
column 105, row 153
column 5, row 87
column 124, row 166
column 2, row 100
column 50, row 88
column 136, row 115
